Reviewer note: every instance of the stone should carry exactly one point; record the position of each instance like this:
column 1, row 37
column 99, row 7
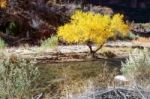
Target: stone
column 120, row 80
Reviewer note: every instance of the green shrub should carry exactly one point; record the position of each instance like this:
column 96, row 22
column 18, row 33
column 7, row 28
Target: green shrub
column 16, row 77
column 132, row 36
column 50, row 42
column 2, row 43
column 137, row 67
column 12, row 28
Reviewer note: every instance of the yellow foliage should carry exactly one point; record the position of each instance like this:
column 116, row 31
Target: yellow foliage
column 3, row 3
column 89, row 26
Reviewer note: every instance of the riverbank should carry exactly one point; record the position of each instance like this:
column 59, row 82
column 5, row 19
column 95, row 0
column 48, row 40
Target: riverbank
column 114, row 49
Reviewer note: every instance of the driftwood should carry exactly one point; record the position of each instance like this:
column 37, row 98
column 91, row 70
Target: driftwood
column 116, row 93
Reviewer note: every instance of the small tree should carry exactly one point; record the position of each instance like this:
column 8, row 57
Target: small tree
column 91, row 28
column 3, row 3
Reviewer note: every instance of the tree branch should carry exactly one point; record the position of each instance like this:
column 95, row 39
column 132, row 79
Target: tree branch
column 99, row 48
column 89, row 44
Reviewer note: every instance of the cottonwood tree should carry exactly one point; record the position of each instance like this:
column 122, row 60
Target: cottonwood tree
column 91, row 28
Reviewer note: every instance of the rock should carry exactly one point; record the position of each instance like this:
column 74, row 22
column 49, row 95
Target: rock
column 121, row 78
column 102, row 10
column 141, row 29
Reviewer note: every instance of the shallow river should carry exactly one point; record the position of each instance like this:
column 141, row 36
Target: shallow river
column 63, row 79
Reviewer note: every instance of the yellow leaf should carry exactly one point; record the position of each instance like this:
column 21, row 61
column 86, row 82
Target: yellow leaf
column 3, row 3
column 89, row 26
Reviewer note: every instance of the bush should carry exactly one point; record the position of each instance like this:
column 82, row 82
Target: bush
column 2, row 43
column 12, row 28
column 16, row 77
column 50, row 42
column 91, row 28
column 137, row 67
column 132, row 36
column 3, row 3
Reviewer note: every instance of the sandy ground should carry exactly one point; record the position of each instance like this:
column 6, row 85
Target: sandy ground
column 74, row 52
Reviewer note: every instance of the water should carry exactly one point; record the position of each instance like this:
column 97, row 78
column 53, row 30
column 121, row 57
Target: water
column 70, row 78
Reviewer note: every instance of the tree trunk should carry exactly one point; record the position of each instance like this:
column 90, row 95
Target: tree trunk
column 93, row 52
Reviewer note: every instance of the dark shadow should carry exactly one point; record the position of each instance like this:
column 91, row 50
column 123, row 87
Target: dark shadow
column 134, row 10
column 138, row 15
